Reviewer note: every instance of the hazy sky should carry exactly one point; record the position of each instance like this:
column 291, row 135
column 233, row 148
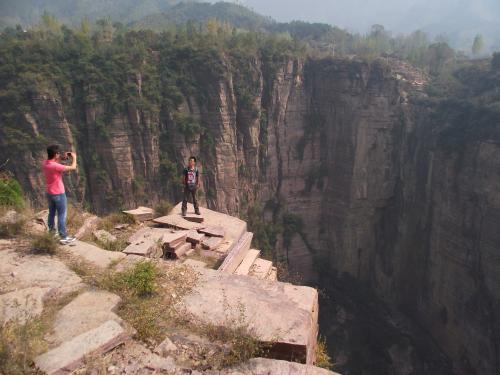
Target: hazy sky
column 397, row 15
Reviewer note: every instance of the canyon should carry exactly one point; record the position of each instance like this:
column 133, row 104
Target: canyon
column 346, row 161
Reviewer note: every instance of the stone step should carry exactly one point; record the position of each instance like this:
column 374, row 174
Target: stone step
column 273, row 275
column 70, row 355
column 237, row 254
column 179, row 251
column 261, row 268
column 87, row 311
column 194, row 218
column 194, row 237
column 92, row 254
column 246, row 264
column 211, row 243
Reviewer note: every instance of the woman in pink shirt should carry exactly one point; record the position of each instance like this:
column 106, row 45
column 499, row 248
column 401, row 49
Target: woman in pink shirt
column 56, row 194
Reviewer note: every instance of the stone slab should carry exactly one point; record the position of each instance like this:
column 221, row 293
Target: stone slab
column 172, row 239
column 69, row 355
column 94, row 255
column 237, row 254
column 260, row 366
column 246, row 264
column 261, row 268
column 233, row 226
column 225, row 246
column 19, row 271
column 147, row 243
column 211, row 243
column 194, row 237
column 136, row 236
column 213, row 231
column 87, row 311
column 194, row 218
column 218, row 296
column 22, row 305
column 141, row 213
column 182, row 250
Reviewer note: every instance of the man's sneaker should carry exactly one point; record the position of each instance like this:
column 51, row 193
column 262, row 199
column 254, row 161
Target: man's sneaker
column 67, row 240
column 197, row 211
column 184, row 212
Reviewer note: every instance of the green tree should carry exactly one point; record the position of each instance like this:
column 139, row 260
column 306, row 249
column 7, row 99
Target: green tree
column 478, row 45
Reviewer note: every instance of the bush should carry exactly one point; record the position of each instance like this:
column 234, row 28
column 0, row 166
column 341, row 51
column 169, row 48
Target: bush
column 139, row 281
column 322, row 358
column 11, row 194
column 44, row 244
column 163, row 208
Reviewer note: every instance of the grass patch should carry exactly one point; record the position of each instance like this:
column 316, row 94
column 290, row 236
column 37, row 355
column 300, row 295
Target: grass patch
column 44, row 243
column 149, row 293
column 118, row 245
column 109, row 222
column 75, row 217
column 163, row 208
column 323, row 360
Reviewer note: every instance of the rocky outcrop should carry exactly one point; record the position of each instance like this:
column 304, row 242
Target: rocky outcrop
column 344, row 155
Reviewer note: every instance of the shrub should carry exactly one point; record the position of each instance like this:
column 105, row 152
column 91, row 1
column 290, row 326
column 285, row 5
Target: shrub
column 11, row 194
column 44, row 243
column 322, row 358
column 138, row 281
column 163, row 208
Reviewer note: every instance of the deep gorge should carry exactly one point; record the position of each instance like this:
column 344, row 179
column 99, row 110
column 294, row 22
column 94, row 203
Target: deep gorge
column 342, row 166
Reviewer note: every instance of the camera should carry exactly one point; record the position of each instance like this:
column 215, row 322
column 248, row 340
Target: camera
column 65, row 155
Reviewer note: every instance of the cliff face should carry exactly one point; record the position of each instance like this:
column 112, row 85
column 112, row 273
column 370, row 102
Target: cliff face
column 343, row 154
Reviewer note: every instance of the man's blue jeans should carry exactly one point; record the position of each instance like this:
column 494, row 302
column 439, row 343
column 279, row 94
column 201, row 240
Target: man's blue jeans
column 58, row 203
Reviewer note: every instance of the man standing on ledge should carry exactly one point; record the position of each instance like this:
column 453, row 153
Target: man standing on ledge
column 191, row 183
column 56, row 194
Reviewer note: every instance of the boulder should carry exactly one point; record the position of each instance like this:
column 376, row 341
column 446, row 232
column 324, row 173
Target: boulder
column 89, row 224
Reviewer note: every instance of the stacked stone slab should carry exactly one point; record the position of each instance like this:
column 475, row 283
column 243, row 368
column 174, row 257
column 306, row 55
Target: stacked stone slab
column 141, row 213
column 280, row 314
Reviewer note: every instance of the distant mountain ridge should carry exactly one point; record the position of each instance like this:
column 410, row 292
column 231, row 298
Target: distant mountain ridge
column 29, row 12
